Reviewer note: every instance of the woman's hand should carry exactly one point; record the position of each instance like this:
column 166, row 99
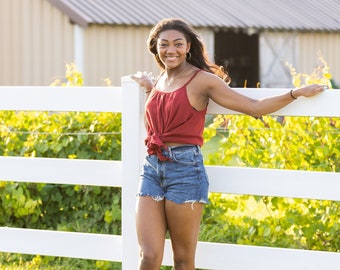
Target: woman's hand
column 144, row 80
column 309, row 90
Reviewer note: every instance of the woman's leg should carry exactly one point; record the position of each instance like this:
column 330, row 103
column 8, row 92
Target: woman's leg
column 151, row 230
column 184, row 224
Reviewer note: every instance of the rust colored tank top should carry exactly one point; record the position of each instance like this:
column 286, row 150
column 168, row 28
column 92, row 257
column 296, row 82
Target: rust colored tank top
column 171, row 118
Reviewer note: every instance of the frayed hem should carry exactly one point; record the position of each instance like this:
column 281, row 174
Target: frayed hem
column 195, row 201
column 157, row 198
column 192, row 202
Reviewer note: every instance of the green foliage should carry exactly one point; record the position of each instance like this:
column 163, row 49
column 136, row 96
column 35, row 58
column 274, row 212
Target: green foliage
column 61, row 207
column 272, row 221
column 305, row 143
column 72, row 77
column 75, row 208
column 300, row 143
column 29, row 262
column 60, row 135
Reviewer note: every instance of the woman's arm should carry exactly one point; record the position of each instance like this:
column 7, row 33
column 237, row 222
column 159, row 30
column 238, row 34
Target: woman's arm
column 144, row 80
column 222, row 94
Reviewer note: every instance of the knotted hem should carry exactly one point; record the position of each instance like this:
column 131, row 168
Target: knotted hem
column 157, row 149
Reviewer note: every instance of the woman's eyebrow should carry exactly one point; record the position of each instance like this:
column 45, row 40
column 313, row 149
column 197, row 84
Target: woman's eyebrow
column 163, row 39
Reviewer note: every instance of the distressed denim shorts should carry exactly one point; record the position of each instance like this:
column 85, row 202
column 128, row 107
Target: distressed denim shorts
column 182, row 179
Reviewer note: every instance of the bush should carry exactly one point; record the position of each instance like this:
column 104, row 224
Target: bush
column 60, row 207
column 301, row 143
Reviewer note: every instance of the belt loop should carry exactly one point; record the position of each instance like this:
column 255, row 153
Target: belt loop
column 198, row 148
column 170, row 152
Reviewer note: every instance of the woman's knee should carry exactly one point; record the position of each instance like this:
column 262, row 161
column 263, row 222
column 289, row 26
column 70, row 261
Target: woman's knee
column 151, row 259
column 184, row 263
column 184, row 260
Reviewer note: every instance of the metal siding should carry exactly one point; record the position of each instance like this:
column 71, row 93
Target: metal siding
column 208, row 38
column 116, row 51
column 327, row 44
column 36, row 42
column 6, row 41
column 299, row 49
column 261, row 14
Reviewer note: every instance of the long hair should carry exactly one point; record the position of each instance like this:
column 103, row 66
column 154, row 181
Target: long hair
column 199, row 57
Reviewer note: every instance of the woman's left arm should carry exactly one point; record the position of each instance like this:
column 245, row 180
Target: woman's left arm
column 222, row 94
column 274, row 103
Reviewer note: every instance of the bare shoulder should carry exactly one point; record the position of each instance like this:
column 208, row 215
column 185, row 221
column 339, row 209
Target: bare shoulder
column 207, row 77
column 207, row 80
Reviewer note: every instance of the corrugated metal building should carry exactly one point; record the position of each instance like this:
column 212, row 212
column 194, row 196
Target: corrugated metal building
column 107, row 38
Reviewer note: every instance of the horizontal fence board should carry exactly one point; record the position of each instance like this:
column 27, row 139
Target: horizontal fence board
column 241, row 257
column 220, row 256
column 269, row 182
column 108, row 247
column 49, row 98
column 324, row 104
column 61, row 171
column 274, row 182
column 61, row 244
column 108, row 99
column 236, row 180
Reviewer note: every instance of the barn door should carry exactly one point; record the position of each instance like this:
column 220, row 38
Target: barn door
column 276, row 49
column 238, row 53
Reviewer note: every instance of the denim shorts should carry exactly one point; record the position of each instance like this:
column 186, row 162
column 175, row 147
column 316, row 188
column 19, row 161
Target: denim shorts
column 182, row 179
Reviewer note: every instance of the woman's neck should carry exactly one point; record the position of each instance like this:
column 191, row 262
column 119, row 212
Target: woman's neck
column 174, row 73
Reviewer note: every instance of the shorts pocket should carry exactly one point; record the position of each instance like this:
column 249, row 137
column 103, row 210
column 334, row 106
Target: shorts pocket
column 185, row 157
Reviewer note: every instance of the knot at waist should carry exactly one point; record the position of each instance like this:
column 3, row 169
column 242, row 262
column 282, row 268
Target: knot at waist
column 155, row 146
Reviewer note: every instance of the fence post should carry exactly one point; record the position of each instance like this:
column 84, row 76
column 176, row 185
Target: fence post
column 133, row 150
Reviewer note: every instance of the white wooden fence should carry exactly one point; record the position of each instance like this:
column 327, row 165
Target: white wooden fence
column 129, row 100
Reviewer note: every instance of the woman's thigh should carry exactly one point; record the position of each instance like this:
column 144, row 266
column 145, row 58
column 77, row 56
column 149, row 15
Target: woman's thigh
column 151, row 225
column 184, row 224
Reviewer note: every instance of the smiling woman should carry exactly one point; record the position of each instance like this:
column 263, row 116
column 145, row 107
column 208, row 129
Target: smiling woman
column 173, row 186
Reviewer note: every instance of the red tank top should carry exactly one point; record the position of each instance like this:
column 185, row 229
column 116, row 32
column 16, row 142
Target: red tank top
column 171, row 118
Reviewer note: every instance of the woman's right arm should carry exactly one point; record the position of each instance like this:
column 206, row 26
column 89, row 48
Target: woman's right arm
column 144, row 80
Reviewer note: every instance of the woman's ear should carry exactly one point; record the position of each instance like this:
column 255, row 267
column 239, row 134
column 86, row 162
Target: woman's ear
column 188, row 47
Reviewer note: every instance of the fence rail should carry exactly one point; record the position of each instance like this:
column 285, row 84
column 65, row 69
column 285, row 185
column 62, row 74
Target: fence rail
column 129, row 100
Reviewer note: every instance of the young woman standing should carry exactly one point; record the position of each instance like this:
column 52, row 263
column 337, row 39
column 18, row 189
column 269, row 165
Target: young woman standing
column 173, row 186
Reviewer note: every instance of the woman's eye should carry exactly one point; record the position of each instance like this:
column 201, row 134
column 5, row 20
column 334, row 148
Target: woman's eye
column 179, row 44
column 162, row 45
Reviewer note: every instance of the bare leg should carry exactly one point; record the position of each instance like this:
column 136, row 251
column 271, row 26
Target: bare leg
column 151, row 230
column 184, row 225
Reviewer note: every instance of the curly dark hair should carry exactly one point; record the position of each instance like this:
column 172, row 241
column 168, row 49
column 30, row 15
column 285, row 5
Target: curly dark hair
column 199, row 57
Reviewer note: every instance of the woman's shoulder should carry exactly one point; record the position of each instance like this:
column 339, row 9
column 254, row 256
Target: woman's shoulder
column 207, row 79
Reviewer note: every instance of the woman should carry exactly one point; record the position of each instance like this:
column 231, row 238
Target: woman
column 173, row 185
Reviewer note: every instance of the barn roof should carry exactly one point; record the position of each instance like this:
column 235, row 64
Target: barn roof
column 302, row 15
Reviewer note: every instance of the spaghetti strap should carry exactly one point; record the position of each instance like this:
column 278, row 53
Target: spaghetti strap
column 159, row 76
column 193, row 76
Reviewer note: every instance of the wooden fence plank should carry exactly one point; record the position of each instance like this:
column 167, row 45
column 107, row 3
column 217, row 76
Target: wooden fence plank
column 48, row 98
column 324, row 104
column 63, row 244
column 270, row 182
column 241, row 257
column 274, row 182
column 61, row 171
column 220, row 256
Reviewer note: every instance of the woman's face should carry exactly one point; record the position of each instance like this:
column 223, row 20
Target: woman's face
column 172, row 48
